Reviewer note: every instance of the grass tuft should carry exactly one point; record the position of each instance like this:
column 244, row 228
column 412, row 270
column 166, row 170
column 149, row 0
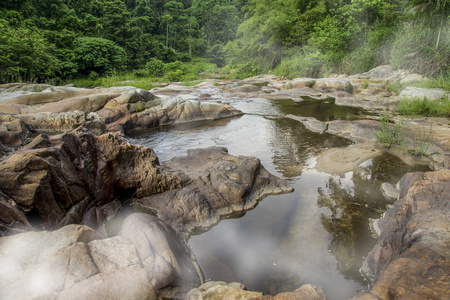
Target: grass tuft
column 424, row 107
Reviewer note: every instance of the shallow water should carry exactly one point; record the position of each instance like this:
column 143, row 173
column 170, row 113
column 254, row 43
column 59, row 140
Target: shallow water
column 318, row 234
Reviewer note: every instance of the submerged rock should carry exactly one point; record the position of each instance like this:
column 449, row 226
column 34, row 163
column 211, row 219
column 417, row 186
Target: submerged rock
column 411, row 258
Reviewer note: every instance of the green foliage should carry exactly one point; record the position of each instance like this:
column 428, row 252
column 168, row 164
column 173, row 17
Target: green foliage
column 139, row 108
column 40, row 40
column 93, row 75
column 421, row 141
column 24, row 54
column 424, row 107
column 414, row 49
column 389, row 134
column 99, row 55
column 155, row 67
column 216, row 54
column 302, row 65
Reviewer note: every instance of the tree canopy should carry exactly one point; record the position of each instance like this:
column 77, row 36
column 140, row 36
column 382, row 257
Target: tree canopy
column 64, row 38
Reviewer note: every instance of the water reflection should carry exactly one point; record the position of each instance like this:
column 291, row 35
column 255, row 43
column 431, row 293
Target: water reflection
column 319, row 233
column 322, row 110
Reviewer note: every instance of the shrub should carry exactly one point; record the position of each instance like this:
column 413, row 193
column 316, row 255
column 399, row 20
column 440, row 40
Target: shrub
column 93, row 75
column 421, row 141
column 155, row 67
column 415, row 49
column 176, row 75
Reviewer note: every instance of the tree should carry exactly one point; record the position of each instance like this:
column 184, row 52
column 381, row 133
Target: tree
column 99, row 55
column 25, row 54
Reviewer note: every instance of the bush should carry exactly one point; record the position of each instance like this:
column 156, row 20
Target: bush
column 176, row 75
column 301, row 65
column 155, row 67
column 93, row 75
column 415, row 49
column 99, row 55
column 174, row 66
column 25, row 55
column 216, row 54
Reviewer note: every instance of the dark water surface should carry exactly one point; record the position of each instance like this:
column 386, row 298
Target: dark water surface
column 319, row 234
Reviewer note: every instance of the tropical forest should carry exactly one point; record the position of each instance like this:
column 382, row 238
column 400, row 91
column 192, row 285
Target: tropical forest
column 59, row 40
column 224, row 149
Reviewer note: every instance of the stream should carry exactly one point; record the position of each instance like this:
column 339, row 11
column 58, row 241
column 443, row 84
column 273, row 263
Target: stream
column 319, row 234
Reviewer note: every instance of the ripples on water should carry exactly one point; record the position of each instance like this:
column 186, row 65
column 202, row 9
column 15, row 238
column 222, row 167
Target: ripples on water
column 319, row 234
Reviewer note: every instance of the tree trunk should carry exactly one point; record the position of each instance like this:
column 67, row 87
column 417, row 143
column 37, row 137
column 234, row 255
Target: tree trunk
column 440, row 27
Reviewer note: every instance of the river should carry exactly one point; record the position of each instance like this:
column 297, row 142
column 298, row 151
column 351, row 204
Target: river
column 319, row 234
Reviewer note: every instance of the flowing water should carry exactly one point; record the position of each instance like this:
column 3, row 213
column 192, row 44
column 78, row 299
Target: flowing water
column 319, row 234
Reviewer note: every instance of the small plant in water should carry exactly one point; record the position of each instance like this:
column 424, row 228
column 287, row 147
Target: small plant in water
column 421, row 141
column 389, row 134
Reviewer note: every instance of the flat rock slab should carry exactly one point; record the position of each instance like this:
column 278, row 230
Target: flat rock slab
column 343, row 160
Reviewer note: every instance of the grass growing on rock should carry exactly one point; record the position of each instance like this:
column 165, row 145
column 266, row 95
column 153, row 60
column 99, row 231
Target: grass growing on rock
column 424, row 107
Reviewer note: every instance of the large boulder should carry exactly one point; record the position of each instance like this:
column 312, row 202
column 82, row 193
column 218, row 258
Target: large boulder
column 169, row 263
column 174, row 111
column 74, row 262
column 219, row 185
column 57, row 185
column 411, row 259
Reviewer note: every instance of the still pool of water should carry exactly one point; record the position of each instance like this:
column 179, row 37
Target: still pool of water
column 319, row 234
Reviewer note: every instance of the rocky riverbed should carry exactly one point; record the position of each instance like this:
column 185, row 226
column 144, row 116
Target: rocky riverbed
column 67, row 168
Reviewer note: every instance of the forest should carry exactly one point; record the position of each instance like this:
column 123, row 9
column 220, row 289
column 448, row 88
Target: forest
column 59, row 40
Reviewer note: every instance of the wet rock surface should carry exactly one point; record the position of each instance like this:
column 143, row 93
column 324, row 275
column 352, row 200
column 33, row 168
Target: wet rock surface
column 411, row 258
column 218, row 185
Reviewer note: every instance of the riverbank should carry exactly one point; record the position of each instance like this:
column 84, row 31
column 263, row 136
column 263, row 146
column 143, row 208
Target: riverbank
column 64, row 163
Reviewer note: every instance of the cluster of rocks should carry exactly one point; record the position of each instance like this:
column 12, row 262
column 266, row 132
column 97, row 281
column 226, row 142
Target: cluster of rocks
column 65, row 166
column 67, row 170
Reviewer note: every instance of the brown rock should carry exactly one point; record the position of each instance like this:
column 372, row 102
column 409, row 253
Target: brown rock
column 59, row 184
column 411, row 259
column 220, row 184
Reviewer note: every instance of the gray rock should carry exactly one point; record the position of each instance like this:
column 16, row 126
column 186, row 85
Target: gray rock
column 389, row 192
column 169, row 263
column 219, row 184
column 421, row 93
column 127, row 283
column 411, row 78
column 302, row 82
column 74, row 262
column 335, row 84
